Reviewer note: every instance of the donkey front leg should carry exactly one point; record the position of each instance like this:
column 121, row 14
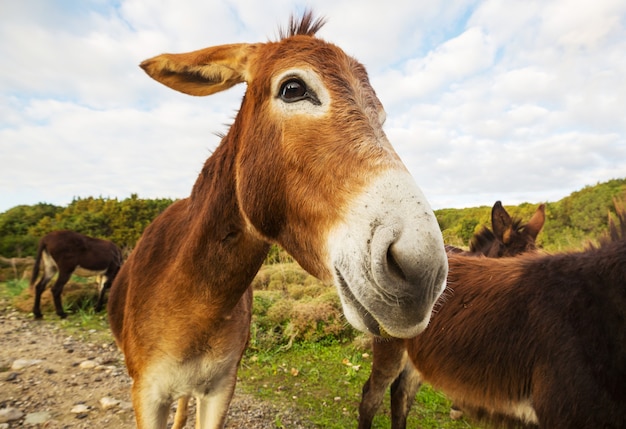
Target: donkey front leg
column 151, row 409
column 403, row 392
column 182, row 410
column 389, row 361
column 57, row 290
column 212, row 409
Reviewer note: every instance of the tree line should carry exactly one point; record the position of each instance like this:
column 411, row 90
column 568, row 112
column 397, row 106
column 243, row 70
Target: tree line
column 122, row 222
column 570, row 222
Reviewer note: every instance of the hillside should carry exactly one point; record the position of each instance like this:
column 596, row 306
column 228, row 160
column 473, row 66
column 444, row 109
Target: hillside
column 570, row 221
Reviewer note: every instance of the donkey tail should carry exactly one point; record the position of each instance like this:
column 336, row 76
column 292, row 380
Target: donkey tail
column 40, row 249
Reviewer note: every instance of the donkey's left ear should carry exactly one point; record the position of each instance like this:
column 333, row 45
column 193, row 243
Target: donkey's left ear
column 534, row 225
column 202, row 72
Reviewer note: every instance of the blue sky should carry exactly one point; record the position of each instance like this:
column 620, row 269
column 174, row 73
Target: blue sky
column 519, row 101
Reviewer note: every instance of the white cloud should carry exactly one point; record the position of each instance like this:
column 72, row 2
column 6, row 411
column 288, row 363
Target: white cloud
column 450, row 63
column 518, row 101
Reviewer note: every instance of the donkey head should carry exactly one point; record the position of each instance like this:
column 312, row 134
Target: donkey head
column 509, row 237
column 316, row 174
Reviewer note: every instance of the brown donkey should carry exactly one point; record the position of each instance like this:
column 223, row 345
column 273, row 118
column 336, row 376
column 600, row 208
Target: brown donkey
column 532, row 341
column 391, row 365
column 306, row 164
column 68, row 252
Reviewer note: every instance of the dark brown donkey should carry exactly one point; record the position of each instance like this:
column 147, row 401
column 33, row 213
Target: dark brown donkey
column 306, row 164
column 67, row 253
column 532, row 341
column 510, row 237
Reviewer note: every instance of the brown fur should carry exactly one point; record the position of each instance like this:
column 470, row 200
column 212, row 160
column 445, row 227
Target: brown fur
column 180, row 308
column 547, row 330
column 509, row 238
column 71, row 250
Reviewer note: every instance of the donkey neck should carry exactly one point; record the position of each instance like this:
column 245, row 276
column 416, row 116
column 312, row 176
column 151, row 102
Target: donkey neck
column 218, row 249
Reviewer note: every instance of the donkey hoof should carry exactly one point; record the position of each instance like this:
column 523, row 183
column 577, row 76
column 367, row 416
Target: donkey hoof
column 63, row 315
column 38, row 316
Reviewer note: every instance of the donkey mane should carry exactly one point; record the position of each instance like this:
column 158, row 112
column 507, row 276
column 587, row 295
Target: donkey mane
column 308, row 25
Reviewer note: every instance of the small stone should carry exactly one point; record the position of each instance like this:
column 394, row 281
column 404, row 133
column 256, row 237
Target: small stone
column 79, row 409
column 107, row 403
column 455, row 414
column 37, row 418
column 24, row 363
column 10, row 414
column 12, row 376
column 88, row 364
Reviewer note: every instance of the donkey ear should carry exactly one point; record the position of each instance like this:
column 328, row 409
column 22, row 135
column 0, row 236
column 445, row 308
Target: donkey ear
column 202, row 72
column 534, row 225
column 501, row 222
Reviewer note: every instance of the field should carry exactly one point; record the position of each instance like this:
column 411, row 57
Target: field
column 305, row 366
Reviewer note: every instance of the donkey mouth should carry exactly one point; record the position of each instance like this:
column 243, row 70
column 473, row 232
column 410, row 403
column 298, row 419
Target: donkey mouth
column 367, row 319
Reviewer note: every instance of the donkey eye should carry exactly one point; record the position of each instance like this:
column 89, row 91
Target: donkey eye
column 294, row 89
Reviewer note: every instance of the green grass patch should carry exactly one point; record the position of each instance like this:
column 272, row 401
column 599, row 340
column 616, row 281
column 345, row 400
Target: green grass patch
column 78, row 301
column 323, row 382
column 13, row 288
column 86, row 324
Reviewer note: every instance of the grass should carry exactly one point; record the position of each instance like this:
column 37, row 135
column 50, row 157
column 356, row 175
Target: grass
column 296, row 357
column 14, row 287
column 79, row 298
column 323, row 382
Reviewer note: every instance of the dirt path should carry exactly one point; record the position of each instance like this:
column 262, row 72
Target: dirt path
column 51, row 380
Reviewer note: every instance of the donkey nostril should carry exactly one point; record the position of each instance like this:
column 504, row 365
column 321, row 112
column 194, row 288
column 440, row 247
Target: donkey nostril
column 393, row 265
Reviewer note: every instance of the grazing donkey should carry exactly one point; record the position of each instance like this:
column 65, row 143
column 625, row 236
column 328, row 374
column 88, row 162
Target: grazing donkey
column 532, row 341
column 510, row 237
column 306, row 164
column 68, row 252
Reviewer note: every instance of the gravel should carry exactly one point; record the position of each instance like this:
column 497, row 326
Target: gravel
column 49, row 379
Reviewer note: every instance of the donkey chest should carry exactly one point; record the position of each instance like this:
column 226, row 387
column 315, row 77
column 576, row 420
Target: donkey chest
column 200, row 376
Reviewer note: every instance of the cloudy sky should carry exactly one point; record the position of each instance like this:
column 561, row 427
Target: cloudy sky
column 520, row 100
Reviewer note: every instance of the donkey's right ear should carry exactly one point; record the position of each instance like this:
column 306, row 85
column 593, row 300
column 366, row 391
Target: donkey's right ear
column 202, row 72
